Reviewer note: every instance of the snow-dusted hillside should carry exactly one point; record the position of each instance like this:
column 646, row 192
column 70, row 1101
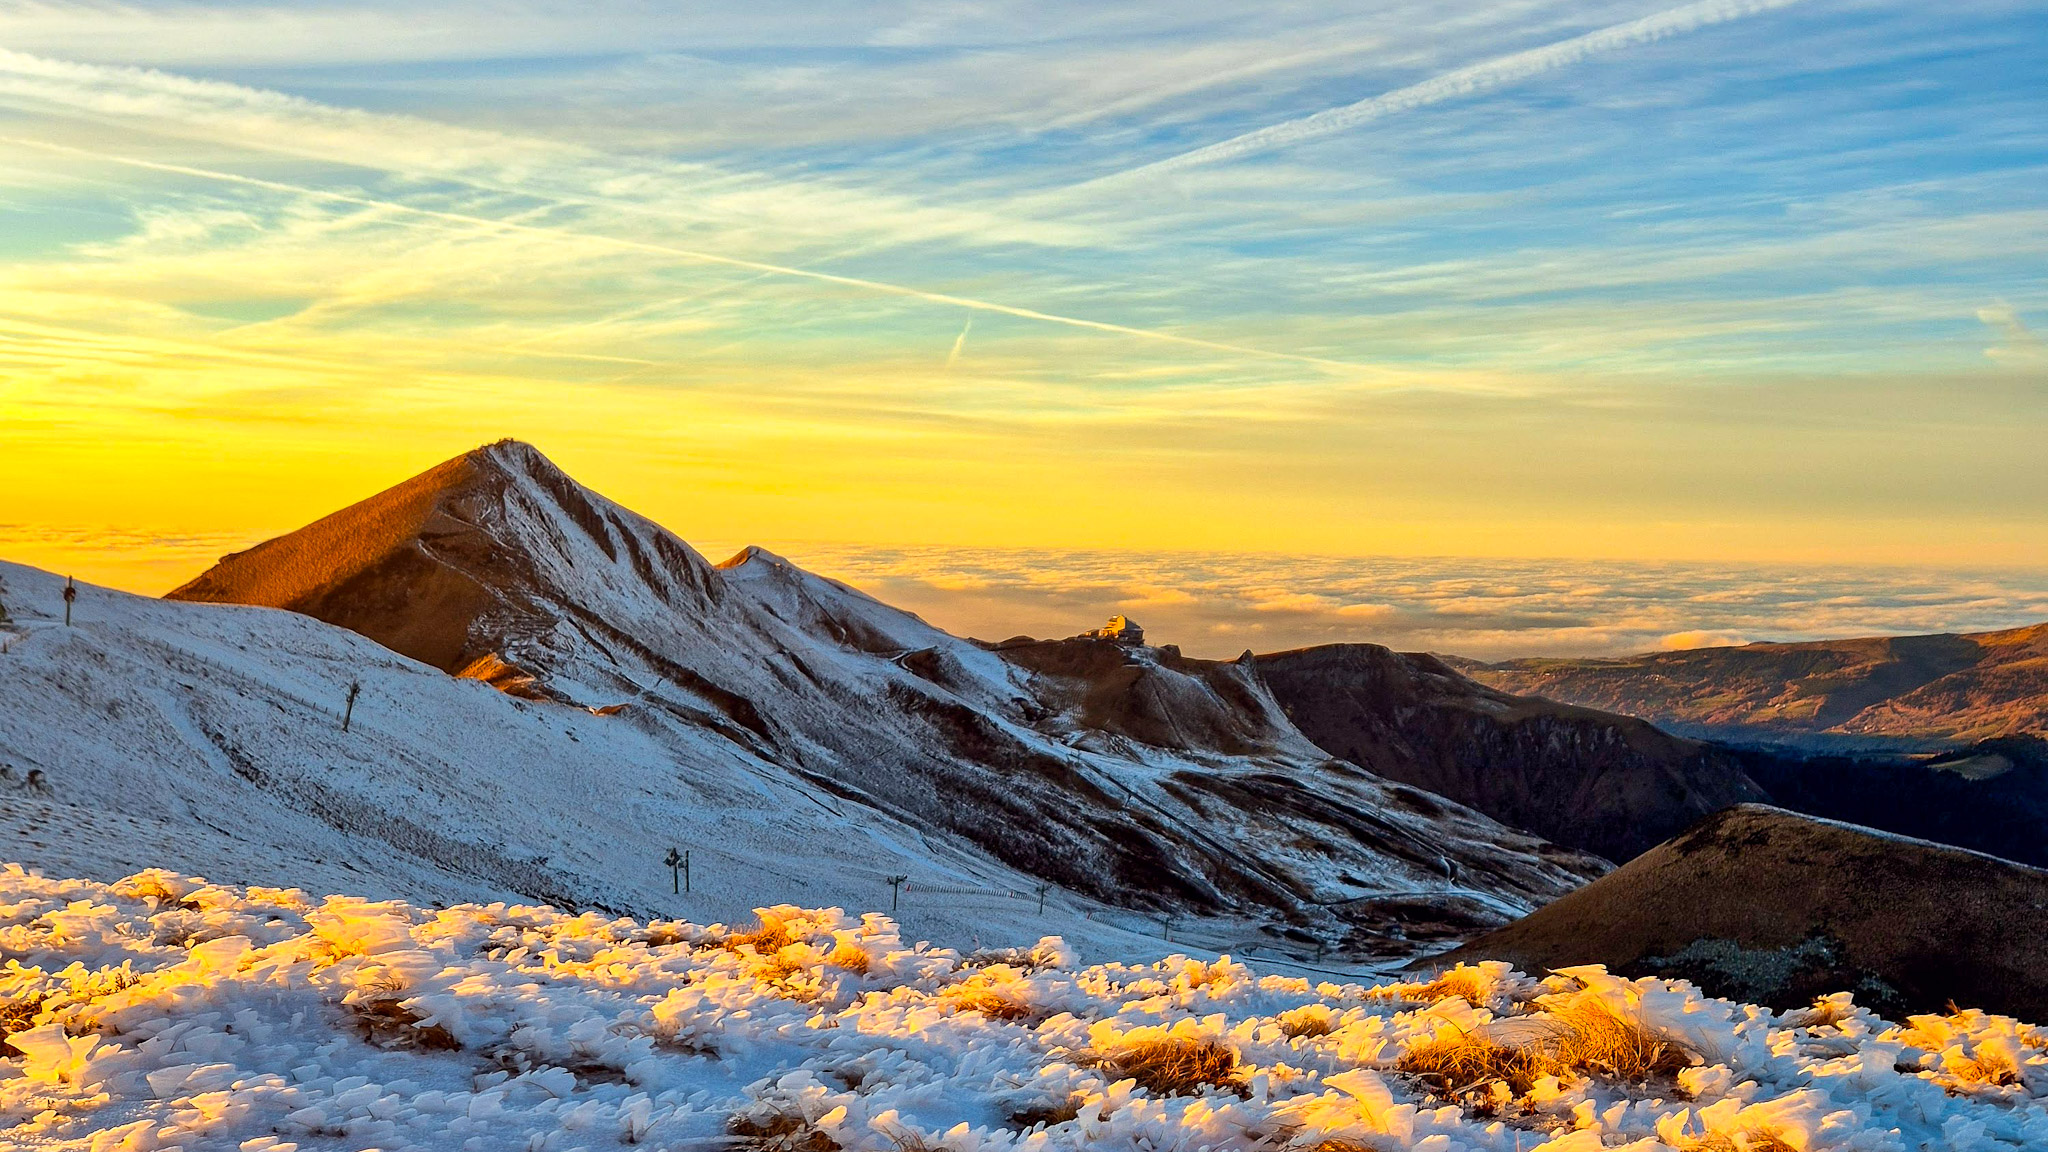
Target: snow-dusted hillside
column 208, row 738
column 1132, row 777
column 161, row 1013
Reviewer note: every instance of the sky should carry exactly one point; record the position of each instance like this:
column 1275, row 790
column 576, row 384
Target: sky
column 1067, row 300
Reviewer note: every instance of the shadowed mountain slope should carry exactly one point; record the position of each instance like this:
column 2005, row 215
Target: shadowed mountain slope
column 1773, row 907
column 1991, row 796
column 1127, row 774
column 1915, row 690
column 1597, row 781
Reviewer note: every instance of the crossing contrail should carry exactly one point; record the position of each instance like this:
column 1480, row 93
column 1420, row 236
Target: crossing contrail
column 486, row 223
column 1481, row 77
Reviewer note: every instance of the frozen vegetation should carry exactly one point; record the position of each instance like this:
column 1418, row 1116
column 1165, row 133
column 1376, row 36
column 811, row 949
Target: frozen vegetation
column 163, row 1012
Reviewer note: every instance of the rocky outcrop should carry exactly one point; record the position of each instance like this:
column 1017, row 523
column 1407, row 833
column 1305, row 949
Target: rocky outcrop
column 1597, row 781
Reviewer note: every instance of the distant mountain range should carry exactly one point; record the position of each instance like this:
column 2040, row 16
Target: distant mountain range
column 1921, row 692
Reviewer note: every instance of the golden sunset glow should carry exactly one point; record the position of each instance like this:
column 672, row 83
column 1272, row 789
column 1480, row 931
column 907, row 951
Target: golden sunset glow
column 236, row 294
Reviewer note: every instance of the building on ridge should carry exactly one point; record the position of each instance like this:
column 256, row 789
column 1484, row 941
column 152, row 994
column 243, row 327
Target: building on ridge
column 1120, row 629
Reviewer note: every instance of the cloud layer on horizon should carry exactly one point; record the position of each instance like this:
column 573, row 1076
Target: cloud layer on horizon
column 1218, row 604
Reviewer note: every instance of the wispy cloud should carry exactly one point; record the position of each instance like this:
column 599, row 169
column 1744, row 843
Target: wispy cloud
column 601, row 240
column 2018, row 343
column 747, row 207
column 1467, row 81
column 959, row 343
column 734, row 260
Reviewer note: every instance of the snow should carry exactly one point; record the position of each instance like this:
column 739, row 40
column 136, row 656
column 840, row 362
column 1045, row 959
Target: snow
column 207, row 738
column 161, row 1011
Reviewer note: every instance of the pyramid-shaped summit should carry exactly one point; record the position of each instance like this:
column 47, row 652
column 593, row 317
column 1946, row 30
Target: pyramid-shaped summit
column 497, row 566
column 465, row 563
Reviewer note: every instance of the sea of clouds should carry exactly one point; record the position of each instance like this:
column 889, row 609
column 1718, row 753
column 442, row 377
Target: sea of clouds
column 1219, row 604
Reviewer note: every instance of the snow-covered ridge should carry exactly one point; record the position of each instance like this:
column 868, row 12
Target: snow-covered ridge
column 161, row 1012
column 1149, row 782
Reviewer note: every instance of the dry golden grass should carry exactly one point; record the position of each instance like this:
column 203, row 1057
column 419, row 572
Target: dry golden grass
column 907, row 1140
column 990, row 1002
column 1825, row 1013
column 1310, row 1020
column 779, row 1132
column 388, row 1023
column 1025, row 1119
column 18, row 1014
column 768, row 936
column 851, row 957
column 663, row 935
column 1572, row 1041
column 1176, row 1066
column 1461, row 1064
column 1341, row 1144
column 147, row 886
column 1994, row 1068
column 1469, row 983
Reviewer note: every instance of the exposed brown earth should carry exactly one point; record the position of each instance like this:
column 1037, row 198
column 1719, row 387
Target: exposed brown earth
column 1598, row 781
column 1763, row 905
column 1159, row 697
column 1918, row 689
column 1130, row 774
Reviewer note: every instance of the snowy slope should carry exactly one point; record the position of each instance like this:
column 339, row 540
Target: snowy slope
column 158, row 1013
column 1131, row 777
column 208, row 738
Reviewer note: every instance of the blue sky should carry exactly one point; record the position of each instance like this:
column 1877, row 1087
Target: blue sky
column 1742, row 281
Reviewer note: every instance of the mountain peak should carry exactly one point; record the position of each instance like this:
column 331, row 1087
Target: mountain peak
column 455, row 563
column 751, row 554
column 514, row 456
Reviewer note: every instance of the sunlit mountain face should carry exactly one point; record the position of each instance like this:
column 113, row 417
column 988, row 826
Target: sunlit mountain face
column 1724, row 282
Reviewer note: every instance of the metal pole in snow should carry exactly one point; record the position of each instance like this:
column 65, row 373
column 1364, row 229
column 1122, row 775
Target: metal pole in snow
column 895, row 889
column 355, row 689
column 674, row 862
column 686, row 869
column 70, row 595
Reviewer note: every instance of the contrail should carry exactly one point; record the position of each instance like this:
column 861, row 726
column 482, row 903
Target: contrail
column 488, row 224
column 959, row 342
column 1481, row 77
